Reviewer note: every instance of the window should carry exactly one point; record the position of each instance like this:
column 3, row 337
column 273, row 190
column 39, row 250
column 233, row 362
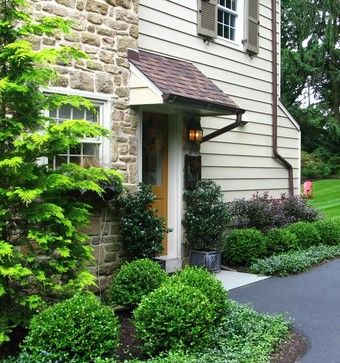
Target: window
column 91, row 151
column 86, row 153
column 227, row 19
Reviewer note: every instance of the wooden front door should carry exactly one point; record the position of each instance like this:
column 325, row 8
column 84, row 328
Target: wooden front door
column 155, row 161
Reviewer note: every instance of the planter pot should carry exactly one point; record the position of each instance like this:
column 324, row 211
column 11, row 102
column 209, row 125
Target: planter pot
column 209, row 259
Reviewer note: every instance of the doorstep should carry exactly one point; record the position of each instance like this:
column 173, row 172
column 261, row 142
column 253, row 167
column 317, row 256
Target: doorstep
column 233, row 279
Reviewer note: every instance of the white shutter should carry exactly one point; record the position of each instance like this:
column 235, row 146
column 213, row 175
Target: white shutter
column 207, row 18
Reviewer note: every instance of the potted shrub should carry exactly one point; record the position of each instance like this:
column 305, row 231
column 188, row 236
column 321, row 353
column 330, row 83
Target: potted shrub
column 205, row 219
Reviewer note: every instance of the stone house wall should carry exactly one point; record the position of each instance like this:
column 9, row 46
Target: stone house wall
column 104, row 30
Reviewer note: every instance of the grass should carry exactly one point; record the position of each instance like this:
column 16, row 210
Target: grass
column 327, row 197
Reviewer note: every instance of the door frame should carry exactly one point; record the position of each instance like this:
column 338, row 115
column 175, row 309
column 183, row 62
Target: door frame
column 175, row 179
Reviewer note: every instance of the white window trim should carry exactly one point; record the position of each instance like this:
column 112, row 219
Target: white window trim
column 239, row 36
column 104, row 102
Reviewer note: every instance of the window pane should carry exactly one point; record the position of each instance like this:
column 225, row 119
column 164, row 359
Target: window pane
column 227, row 19
column 232, row 34
column 90, row 116
column 75, row 159
column 228, row 4
column 233, row 5
column 222, row 2
column 65, row 112
column 220, row 30
column 75, row 150
column 232, row 21
column 53, row 113
column 78, row 114
column 89, row 149
column 226, row 32
column 220, row 16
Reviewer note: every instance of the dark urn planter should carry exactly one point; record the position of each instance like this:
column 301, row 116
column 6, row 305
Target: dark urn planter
column 208, row 259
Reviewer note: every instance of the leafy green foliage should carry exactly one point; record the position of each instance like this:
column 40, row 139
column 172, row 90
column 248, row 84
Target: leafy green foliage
column 306, row 234
column 281, row 240
column 246, row 336
column 142, row 230
column 310, row 62
column 205, row 217
column 174, row 315
column 208, row 284
column 243, row 246
column 80, row 328
column 328, row 230
column 43, row 254
column 134, row 280
column 314, row 167
column 294, row 262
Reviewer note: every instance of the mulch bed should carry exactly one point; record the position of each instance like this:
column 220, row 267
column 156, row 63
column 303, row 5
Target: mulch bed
column 289, row 352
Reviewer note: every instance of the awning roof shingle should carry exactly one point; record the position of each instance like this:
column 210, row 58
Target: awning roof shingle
column 182, row 81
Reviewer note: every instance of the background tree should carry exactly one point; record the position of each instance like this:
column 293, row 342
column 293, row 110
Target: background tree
column 311, row 74
column 43, row 255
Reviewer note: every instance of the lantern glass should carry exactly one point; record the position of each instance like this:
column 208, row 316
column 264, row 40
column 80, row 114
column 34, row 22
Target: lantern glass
column 195, row 135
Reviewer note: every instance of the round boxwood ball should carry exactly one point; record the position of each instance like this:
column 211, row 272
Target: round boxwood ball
column 174, row 315
column 208, row 284
column 134, row 280
column 77, row 329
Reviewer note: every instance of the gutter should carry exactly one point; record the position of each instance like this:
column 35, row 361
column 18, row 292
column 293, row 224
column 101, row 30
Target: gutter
column 277, row 155
column 225, row 129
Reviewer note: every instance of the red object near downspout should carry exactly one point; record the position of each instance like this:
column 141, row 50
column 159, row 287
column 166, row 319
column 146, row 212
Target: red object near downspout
column 277, row 155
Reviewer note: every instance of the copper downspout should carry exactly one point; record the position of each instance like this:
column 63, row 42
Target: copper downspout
column 287, row 165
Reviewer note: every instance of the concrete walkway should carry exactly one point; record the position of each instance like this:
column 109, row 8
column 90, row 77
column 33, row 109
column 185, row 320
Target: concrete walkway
column 234, row 279
column 312, row 299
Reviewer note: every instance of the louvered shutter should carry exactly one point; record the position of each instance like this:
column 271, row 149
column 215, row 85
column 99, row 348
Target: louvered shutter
column 207, row 18
column 253, row 27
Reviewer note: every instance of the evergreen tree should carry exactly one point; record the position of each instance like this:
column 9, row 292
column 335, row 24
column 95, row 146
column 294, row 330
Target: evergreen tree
column 43, row 254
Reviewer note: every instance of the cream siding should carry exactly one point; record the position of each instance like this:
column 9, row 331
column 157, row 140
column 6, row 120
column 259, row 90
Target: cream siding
column 241, row 161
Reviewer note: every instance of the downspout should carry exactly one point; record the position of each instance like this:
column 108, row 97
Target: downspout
column 277, row 155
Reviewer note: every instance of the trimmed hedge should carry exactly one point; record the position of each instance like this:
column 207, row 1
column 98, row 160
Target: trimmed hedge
column 243, row 246
column 174, row 315
column 134, row 280
column 281, row 240
column 306, row 234
column 328, row 230
column 208, row 284
column 80, row 329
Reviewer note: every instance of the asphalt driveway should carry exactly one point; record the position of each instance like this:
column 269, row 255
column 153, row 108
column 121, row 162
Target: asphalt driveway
column 312, row 299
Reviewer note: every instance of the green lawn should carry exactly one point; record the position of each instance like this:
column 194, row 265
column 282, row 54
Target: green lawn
column 326, row 197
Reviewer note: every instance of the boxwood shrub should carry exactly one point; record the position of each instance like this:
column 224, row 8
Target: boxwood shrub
column 281, row 240
column 243, row 246
column 306, row 234
column 174, row 315
column 329, row 231
column 134, row 280
column 80, row 329
column 208, row 284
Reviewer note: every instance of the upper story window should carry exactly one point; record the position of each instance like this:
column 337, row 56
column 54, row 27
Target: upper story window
column 234, row 22
column 87, row 152
column 227, row 19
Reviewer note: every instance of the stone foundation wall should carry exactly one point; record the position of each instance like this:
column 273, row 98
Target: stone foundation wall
column 104, row 30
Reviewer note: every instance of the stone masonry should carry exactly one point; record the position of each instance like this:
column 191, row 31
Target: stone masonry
column 104, row 30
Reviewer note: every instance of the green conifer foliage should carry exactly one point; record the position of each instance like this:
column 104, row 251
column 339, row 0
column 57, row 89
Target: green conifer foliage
column 43, row 254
